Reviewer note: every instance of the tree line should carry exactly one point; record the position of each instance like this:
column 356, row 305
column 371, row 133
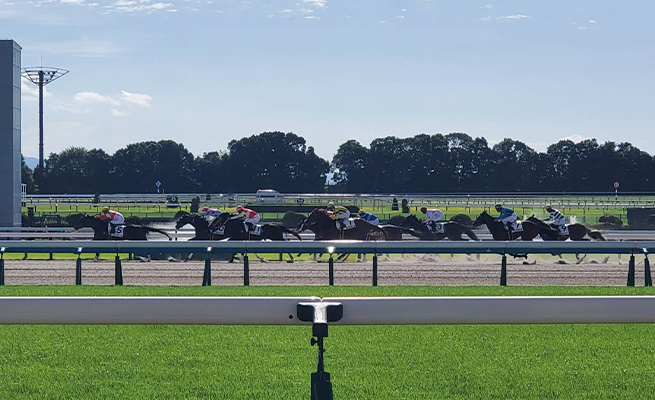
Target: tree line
column 455, row 162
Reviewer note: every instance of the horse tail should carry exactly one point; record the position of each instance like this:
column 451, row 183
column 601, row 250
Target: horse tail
column 294, row 233
column 595, row 234
column 149, row 229
column 471, row 234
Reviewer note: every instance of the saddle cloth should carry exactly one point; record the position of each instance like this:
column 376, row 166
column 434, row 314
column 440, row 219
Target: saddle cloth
column 517, row 226
column 118, row 231
column 256, row 230
column 439, row 228
column 347, row 224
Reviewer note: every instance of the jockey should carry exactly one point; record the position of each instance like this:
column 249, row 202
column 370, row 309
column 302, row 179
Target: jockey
column 433, row 215
column 211, row 212
column 507, row 216
column 368, row 217
column 557, row 218
column 248, row 216
column 339, row 213
column 114, row 218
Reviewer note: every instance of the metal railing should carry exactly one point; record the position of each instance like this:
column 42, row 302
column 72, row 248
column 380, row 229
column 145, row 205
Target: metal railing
column 631, row 248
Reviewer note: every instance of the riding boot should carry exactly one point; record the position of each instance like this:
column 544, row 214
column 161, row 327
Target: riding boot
column 509, row 230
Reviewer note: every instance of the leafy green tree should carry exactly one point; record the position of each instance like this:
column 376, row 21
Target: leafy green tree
column 137, row 167
column 27, row 176
column 277, row 160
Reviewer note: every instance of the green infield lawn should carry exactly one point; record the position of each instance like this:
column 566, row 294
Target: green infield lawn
column 378, row 362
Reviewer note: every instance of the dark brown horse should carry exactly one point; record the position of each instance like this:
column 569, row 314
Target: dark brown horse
column 452, row 230
column 499, row 232
column 325, row 228
column 577, row 232
column 130, row 232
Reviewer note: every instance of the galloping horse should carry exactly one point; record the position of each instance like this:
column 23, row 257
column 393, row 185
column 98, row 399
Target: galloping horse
column 452, row 230
column 325, row 228
column 576, row 231
column 232, row 231
column 130, row 232
column 235, row 230
column 199, row 223
column 498, row 231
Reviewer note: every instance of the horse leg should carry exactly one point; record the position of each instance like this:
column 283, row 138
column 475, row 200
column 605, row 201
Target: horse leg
column 291, row 260
column 232, row 258
column 261, row 259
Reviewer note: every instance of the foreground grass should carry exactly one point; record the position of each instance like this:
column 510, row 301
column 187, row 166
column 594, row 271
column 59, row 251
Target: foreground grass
column 383, row 362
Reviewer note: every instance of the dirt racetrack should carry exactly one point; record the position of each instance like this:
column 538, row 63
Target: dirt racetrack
column 415, row 270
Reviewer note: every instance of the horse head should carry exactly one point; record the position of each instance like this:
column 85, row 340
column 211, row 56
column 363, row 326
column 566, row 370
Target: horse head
column 85, row 221
column 483, row 218
column 183, row 220
column 411, row 222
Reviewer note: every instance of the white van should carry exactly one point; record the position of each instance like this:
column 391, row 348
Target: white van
column 268, row 196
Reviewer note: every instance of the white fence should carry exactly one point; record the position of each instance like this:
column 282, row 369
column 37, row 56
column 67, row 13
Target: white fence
column 356, row 310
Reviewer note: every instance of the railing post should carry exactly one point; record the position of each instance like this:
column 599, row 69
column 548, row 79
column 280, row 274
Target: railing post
column 375, row 269
column 78, row 267
column 207, row 275
column 2, row 266
column 246, row 270
column 648, row 278
column 118, row 271
column 331, row 270
column 503, row 271
column 51, row 257
column 631, row 270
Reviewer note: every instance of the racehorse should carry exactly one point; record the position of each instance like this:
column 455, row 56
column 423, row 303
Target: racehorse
column 499, row 232
column 130, row 232
column 232, row 230
column 576, row 231
column 199, row 223
column 452, row 230
column 325, row 228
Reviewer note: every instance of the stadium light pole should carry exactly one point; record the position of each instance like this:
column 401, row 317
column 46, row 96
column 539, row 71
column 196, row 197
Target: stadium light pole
column 41, row 76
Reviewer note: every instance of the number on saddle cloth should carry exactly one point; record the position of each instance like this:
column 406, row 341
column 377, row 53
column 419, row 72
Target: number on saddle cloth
column 347, row 224
column 118, row 231
column 517, row 226
column 220, row 230
column 439, row 228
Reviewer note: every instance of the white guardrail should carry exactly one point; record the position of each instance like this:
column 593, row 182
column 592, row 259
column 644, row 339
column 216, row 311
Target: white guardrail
column 356, row 310
column 208, row 248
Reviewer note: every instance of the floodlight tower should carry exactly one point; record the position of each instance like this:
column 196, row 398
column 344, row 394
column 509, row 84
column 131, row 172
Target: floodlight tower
column 41, row 76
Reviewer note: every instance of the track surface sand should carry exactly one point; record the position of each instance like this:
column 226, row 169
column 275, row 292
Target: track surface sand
column 415, row 270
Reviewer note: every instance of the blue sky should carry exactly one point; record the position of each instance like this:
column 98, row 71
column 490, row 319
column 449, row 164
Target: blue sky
column 203, row 72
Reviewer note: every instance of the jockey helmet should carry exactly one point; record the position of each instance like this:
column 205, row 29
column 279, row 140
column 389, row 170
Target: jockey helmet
column 239, row 208
column 498, row 207
column 204, row 209
column 548, row 207
column 424, row 209
column 361, row 212
column 330, row 204
column 105, row 209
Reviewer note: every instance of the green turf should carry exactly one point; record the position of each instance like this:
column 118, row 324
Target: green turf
column 408, row 362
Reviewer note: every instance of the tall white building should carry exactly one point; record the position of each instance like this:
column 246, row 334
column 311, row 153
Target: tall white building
column 10, row 165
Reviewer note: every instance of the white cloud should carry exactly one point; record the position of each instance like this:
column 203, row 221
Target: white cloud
column 136, row 98
column 575, row 138
column 71, row 1
column 485, row 7
column 591, row 21
column 118, row 113
column 485, row 19
column 513, row 17
column 94, row 98
column 312, row 17
column 316, row 3
column 84, row 47
column 30, row 92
